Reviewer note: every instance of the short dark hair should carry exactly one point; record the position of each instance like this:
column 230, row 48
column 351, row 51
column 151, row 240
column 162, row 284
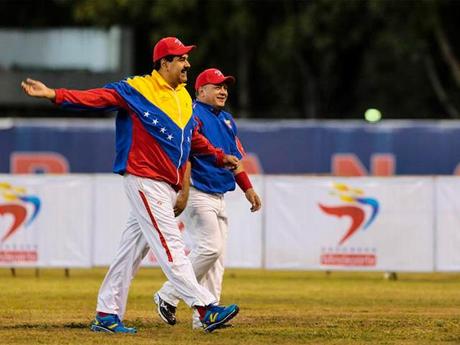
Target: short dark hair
column 157, row 64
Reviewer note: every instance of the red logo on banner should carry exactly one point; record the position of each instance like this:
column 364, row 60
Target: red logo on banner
column 355, row 213
column 362, row 211
column 356, row 204
column 17, row 211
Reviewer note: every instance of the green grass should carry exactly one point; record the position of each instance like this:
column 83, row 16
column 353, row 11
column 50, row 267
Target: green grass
column 277, row 307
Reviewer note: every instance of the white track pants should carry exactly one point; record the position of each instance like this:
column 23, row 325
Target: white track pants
column 151, row 224
column 208, row 230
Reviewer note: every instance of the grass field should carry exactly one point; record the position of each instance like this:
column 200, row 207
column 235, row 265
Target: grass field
column 277, row 307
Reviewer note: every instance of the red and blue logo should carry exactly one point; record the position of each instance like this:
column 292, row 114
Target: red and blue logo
column 18, row 208
column 362, row 210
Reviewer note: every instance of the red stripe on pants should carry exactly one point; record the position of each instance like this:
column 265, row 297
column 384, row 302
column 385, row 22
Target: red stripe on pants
column 155, row 225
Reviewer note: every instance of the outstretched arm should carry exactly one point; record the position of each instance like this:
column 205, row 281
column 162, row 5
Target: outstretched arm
column 35, row 88
column 94, row 99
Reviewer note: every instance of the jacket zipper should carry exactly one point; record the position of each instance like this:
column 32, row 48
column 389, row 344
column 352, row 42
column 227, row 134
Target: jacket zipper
column 182, row 136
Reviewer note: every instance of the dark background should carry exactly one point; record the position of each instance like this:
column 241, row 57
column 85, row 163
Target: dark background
column 319, row 59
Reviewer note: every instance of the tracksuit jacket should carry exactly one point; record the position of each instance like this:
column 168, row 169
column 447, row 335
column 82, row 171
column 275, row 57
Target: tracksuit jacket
column 155, row 129
column 220, row 129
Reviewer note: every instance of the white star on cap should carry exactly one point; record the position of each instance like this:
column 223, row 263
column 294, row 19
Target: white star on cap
column 146, row 114
column 163, row 129
column 155, row 121
column 170, row 136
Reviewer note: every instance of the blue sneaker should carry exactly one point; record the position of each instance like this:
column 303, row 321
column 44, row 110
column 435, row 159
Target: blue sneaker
column 216, row 316
column 110, row 324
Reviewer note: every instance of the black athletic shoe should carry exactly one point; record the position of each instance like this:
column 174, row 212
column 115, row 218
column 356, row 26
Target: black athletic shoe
column 166, row 311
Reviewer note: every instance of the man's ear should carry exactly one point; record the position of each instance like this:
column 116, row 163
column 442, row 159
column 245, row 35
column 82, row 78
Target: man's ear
column 164, row 63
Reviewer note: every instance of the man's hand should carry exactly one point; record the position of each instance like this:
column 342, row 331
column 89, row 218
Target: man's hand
column 230, row 162
column 180, row 205
column 182, row 197
column 254, row 199
column 35, row 88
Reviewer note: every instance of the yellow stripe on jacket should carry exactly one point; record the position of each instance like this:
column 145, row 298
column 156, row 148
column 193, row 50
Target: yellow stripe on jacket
column 177, row 103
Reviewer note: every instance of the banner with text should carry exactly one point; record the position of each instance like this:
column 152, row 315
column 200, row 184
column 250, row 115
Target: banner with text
column 349, row 224
column 45, row 221
column 326, row 223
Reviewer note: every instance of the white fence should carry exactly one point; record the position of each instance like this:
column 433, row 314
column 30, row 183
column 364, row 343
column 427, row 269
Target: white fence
column 311, row 223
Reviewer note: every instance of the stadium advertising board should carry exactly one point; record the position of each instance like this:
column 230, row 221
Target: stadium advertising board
column 339, row 148
column 357, row 224
column 18, row 211
column 327, row 223
column 45, row 221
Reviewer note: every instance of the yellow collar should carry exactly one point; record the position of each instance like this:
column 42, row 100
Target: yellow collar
column 176, row 103
column 162, row 82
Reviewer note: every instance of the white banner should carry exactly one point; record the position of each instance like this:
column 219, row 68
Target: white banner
column 110, row 215
column 447, row 242
column 390, row 224
column 45, row 221
column 244, row 248
column 111, row 210
column 354, row 223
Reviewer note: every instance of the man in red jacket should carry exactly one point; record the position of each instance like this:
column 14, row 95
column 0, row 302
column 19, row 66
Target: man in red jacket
column 155, row 132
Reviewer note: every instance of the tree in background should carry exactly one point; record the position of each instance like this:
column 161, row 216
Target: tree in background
column 295, row 59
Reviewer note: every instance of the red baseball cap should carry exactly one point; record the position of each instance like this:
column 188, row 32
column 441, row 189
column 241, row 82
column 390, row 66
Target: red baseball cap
column 212, row 76
column 169, row 46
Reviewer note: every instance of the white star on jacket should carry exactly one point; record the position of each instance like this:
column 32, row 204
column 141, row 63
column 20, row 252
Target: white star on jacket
column 162, row 129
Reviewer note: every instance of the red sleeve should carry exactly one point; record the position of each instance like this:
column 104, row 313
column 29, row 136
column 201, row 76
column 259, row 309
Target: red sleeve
column 242, row 179
column 101, row 99
column 201, row 145
column 240, row 147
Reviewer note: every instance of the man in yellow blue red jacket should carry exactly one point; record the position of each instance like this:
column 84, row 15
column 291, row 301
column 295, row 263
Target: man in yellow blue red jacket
column 155, row 132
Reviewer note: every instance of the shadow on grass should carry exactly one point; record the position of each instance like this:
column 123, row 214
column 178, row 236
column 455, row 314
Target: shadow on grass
column 71, row 325
column 76, row 325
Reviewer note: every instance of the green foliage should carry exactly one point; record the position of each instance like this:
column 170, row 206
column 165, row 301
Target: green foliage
column 293, row 58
